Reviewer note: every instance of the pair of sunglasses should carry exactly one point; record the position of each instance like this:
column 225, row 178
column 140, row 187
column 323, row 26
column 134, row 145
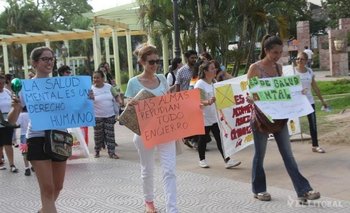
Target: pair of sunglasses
column 152, row 62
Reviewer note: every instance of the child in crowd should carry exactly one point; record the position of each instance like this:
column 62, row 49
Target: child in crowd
column 23, row 120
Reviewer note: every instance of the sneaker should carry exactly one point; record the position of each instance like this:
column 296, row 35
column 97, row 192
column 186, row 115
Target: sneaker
column 2, row 166
column 97, row 155
column 13, row 169
column 27, row 172
column 232, row 163
column 203, row 164
column 187, row 143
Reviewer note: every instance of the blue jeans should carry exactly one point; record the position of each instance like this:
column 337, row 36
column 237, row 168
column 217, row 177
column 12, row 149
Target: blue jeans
column 313, row 126
column 301, row 185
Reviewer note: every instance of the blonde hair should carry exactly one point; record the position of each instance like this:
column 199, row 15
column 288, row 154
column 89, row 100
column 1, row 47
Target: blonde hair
column 144, row 50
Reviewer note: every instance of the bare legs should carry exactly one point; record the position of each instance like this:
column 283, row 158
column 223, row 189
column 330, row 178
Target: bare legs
column 50, row 177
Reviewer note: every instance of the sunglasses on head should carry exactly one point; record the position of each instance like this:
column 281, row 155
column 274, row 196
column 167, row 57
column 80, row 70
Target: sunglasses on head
column 152, row 62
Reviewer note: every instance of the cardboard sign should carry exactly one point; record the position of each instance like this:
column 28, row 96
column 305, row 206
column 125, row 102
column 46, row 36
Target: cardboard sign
column 59, row 102
column 280, row 97
column 170, row 117
column 234, row 114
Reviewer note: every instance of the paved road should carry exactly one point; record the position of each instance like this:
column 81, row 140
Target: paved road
column 105, row 185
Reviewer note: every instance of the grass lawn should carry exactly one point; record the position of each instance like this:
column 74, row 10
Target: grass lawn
column 337, row 96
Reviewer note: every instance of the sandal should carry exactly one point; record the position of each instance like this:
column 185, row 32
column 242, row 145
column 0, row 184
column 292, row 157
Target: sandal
column 318, row 149
column 113, row 156
column 97, row 155
column 150, row 208
column 263, row 196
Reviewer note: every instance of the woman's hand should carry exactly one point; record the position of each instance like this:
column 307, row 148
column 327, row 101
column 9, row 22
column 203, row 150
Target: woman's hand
column 304, row 91
column 91, row 95
column 250, row 100
column 16, row 103
column 132, row 102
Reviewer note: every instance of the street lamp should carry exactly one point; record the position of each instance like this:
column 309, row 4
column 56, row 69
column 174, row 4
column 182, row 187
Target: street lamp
column 176, row 29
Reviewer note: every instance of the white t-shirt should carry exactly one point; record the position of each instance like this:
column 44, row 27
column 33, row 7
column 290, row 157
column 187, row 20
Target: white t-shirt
column 309, row 53
column 103, row 103
column 5, row 101
column 209, row 112
column 23, row 121
column 306, row 80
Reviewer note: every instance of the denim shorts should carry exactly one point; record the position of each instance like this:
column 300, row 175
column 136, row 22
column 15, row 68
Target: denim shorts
column 36, row 150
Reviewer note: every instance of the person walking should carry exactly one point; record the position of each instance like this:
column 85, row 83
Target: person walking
column 308, row 81
column 105, row 115
column 155, row 83
column 309, row 54
column 50, row 172
column 267, row 67
column 23, row 121
column 207, row 73
column 6, row 133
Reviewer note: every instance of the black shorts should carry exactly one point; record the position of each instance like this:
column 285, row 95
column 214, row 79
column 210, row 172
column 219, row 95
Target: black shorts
column 36, row 150
column 6, row 134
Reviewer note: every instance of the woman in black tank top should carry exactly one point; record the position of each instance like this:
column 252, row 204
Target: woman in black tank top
column 272, row 48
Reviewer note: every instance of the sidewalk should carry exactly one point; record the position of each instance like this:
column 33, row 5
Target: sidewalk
column 106, row 185
column 326, row 76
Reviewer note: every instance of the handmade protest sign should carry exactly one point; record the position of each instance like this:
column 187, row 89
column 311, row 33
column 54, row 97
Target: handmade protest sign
column 170, row 117
column 234, row 114
column 280, row 97
column 59, row 102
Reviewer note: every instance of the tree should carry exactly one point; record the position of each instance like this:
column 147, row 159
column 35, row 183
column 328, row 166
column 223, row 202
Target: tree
column 336, row 9
column 63, row 12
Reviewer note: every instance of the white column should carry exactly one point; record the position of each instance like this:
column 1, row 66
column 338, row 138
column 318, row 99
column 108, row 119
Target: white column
column 108, row 54
column 150, row 39
column 116, row 58
column 129, row 54
column 47, row 43
column 73, row 65
column 66, row 44
column 165, row 50
column 25, row 60
column 96, row 47
column 173, row 39
column 6, row 57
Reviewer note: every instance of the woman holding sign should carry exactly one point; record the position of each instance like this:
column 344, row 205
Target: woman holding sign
column 307, row 78
column 157, row 84
column 207, row 73
column 267, row 67
column 50, row 172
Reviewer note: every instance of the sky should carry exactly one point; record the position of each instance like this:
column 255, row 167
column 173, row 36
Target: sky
column 98, row 5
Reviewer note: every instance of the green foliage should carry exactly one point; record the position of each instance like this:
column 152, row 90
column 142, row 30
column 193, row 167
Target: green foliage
column 336, row 9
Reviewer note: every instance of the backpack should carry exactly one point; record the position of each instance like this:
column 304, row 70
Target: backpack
column 172, row 74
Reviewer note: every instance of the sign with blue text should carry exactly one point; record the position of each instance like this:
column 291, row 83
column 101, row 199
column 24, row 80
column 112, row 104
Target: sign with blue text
column 58, row 102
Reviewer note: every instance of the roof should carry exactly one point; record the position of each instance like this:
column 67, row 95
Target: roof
column 123, row 18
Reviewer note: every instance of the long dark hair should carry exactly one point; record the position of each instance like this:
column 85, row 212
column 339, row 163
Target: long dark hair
column 174, row 63
column 268, row 42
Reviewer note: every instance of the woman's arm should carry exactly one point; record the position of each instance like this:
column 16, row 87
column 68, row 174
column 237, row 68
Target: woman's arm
column 252, row 72
column 317, row 91
column 15, row 111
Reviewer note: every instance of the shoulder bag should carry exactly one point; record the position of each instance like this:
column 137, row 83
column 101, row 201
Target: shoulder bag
column 58, row 144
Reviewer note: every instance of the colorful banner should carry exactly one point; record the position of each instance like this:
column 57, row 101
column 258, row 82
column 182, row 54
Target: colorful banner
column 59, row 102
column 234, row 114
column 170, row 117
column 280, row 97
